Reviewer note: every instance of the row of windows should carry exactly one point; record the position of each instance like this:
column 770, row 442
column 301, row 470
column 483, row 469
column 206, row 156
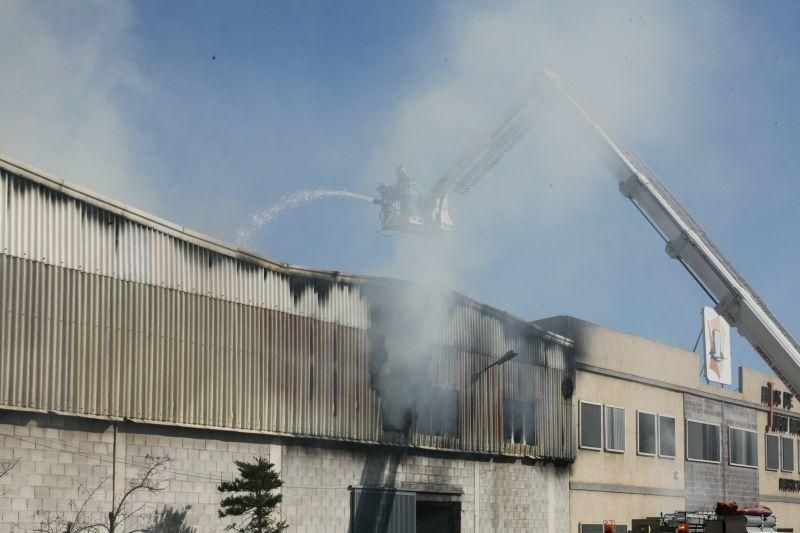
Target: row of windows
column 780, row 453
column 703, row 444
column 703, row 440
column 437, row 414
column 655, row 434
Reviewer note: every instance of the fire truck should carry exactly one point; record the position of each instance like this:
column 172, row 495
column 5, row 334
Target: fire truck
column 683, row 522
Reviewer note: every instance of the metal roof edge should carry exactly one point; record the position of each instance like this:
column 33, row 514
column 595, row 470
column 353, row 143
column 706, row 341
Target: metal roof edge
column 101, row 201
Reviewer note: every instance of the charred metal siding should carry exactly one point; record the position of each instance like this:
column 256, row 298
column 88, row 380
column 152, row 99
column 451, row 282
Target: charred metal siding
column 109, row 312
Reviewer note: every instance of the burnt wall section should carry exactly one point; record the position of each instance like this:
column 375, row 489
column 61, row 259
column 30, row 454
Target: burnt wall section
column 60, row 225
column 428, row 347
column 111, row 312
column 708, row 483
column 87, row 344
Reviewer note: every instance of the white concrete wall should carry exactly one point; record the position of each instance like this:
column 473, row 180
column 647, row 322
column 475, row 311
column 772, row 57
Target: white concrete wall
column 513, row 496
column 59, row 462
column 63, row 457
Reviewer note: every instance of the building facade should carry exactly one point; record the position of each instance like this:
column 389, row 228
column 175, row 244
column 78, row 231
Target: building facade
column 652, row 438
column 126, row 338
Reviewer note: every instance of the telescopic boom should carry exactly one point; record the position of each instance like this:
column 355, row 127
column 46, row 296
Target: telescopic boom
column 733, row 297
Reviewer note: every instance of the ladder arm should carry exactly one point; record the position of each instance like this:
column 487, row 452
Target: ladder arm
column 479, row 159
column 686, row 241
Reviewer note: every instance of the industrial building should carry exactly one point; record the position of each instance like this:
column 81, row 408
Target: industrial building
column 125, row 337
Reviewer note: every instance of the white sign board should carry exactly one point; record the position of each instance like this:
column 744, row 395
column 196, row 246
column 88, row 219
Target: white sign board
column 717, row 335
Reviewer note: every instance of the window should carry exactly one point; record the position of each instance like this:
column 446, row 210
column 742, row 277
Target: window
column 519, row 422
column 437, row 413
column 666, row 436
column 787, row 454
column 743, row 445
column 590, row 421
column 615, row 428
column 702, row 442
column 646, row 433
column 433, row 516
column 773, row 448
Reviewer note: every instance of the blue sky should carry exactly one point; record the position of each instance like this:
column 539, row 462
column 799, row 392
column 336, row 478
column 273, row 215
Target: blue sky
column 204, row 113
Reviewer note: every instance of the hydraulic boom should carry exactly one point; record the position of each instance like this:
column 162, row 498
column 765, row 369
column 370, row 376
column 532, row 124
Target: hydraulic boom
column 686, row 241
column 405, row 209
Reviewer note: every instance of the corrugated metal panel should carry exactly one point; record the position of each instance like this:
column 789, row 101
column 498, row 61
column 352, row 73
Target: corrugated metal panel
column 105, row 316
column 45, row 225
column 94, row 345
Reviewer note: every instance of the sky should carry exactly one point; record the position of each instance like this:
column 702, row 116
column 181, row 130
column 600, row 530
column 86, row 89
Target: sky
column 204, row 113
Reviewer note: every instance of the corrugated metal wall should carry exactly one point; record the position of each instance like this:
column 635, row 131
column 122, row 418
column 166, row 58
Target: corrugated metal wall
column 107, row 315
column 46, row 225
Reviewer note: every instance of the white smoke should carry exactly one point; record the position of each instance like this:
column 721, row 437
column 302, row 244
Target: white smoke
column 64, row 91
column 546, row 232
column 544, row 225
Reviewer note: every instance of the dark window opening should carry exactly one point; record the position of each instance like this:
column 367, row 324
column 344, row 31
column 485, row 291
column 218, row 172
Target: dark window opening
column 743, row 447
column 666, row 436
column 615, row 428
column 519, row 422
column 702, row 442
column 773, row 452
column 646, row 430
column 787, row 454
column 437, row 413
column 590, row 415
column 438, row 517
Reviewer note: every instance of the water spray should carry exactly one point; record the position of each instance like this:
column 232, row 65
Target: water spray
column 261, row 218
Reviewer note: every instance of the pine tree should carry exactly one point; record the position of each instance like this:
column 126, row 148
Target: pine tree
column 254, row 499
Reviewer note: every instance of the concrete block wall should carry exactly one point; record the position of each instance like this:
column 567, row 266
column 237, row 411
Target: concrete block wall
column 62, row 458
column 199, row 461
column 520, row 497
column 513, row 496
column 741, row 484
column 316, row 496
column 708, row 483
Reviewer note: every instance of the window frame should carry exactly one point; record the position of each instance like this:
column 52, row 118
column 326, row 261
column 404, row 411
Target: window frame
column 730, row 458
column 529, row 408
column 580, row 426
column 766, row 457
column 434, row 409
column 686, row 439
column 655, row 434
column 605, row 429
column 790, row 439
column 674, row 436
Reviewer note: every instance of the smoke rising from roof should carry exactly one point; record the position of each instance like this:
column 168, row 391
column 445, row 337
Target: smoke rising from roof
column 536, row 218
column 548, row 216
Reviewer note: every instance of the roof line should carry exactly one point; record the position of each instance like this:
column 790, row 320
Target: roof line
column 106, row 203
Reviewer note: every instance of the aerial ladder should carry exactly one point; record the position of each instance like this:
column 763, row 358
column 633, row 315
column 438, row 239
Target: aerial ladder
column 734, row 299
